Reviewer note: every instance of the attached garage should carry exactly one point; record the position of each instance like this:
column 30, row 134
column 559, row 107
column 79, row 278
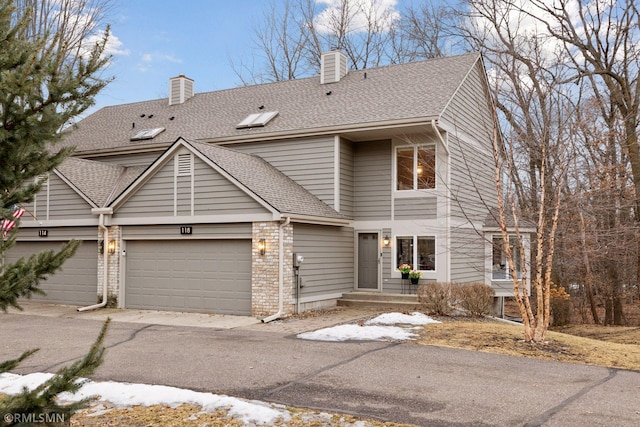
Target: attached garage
column 209, row 276
column 76, row 283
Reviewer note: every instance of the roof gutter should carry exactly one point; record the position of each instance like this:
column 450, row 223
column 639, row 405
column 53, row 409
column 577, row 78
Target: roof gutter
column 280, row 272
column 310, row 219
column 105, row 256
column 327, row 130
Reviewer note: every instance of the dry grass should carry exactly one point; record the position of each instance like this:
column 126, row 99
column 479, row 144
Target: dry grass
column 191, row 416
column 614, row 347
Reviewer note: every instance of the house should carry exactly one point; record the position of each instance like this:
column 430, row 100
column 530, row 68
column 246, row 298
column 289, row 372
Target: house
column 270, row 199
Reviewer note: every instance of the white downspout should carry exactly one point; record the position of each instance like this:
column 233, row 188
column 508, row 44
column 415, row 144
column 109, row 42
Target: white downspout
column 105, row 268
column 280, row 272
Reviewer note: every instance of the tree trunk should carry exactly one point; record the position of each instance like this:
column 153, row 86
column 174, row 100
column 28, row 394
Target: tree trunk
column 588, row 278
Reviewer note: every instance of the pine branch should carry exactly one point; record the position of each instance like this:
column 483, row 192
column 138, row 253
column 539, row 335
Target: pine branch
column 65, row 380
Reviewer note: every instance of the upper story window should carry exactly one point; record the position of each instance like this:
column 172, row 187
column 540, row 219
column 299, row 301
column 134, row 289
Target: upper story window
column 415, row 168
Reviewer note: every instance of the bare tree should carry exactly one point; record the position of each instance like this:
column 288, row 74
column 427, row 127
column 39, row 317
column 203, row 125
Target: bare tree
column 535, row 107
column 601, row 39
column 73, row 27
column 293, row 35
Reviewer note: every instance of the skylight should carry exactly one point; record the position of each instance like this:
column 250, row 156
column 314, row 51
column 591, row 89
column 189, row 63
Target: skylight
column 147, row 134
column 256, row 120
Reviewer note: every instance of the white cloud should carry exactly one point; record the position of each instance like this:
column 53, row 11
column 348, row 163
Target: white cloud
column 382, row 13
column 149, row 59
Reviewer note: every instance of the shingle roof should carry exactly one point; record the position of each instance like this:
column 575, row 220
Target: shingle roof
column 395, row 92
column 267, row 182
column 98, row 181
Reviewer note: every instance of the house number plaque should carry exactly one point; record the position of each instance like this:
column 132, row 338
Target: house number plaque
column 185, row 229
column 43, row 233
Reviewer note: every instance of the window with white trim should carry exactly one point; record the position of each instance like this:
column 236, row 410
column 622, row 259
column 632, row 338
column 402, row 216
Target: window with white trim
column 423, row 259
column 500, row 270
column 415, row 167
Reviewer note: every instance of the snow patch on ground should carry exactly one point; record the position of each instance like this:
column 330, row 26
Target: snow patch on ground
column 415, row 318
column 372, row 330
column 126, row 394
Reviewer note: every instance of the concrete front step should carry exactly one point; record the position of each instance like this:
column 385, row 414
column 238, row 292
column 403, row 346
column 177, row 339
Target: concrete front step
column 402, row 306
column 379, row 300
column 380, row 296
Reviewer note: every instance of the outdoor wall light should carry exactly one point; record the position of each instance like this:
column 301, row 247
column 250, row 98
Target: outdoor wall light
column 112, row 247
column 386, row 241
column 262, row 246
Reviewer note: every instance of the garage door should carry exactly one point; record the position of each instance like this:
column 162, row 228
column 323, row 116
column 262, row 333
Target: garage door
column 209, row 276
column 76, row 283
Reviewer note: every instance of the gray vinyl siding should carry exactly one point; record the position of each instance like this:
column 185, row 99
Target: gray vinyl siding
column 416, row 208
column 468, row 111
column 155, row 197
column 59, row 234
column 467, row 256
column 214, row 194
column 389, row 284
column 309, row 162
column 64, row 202
column 199, row 231
column 329, row 64
column 141, row 159
column 372, row 176
column 346, row 178
column 328, row 258
column 472, row 181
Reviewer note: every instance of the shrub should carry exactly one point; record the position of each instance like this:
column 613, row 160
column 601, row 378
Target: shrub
column 476, row 298
column 436, row 297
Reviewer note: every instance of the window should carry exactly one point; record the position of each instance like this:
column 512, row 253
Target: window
column 256, row 120
column 415, row 168
column 424, row 258
column 147, row 134
column 499, row 258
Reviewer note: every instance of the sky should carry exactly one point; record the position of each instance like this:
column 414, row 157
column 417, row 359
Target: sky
column 156, row 40
column 153, row 41
column 387, row 326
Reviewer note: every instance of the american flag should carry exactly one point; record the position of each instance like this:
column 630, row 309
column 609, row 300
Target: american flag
column 7, row 224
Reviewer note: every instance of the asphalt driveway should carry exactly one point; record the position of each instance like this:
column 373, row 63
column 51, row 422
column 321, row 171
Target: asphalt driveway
column 401, row 382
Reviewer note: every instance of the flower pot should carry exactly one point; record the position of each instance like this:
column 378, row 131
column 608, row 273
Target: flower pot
column 405, row 275
column 414, row 280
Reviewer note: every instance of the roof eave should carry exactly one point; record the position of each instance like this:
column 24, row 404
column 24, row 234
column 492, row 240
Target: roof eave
column 312, row 219
column 327, row 130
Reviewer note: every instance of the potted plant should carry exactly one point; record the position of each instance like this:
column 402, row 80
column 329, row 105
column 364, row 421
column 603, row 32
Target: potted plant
column 414, row 275
column 404, row 269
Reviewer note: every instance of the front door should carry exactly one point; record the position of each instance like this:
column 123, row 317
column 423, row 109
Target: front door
column 368, row 248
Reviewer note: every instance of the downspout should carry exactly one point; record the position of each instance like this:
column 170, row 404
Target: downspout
column 280, row 272
column 448, row 202
column 105, row 268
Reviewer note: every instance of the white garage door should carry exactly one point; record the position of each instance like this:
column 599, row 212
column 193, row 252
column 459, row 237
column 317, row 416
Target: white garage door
column 76, row 283
column 209, row 276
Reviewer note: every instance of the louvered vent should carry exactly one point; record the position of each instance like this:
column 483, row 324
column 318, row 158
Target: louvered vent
column 185, row 164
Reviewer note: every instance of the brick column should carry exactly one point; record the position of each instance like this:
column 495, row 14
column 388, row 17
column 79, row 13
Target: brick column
column 265, row 269
column 113, row 284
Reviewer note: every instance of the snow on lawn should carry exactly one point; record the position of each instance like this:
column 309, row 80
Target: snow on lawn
column 126, row 394
column 402, row 319
column 371, row 330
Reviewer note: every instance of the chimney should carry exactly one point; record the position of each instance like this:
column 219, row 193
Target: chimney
column 333, row 66
column 180, row 89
